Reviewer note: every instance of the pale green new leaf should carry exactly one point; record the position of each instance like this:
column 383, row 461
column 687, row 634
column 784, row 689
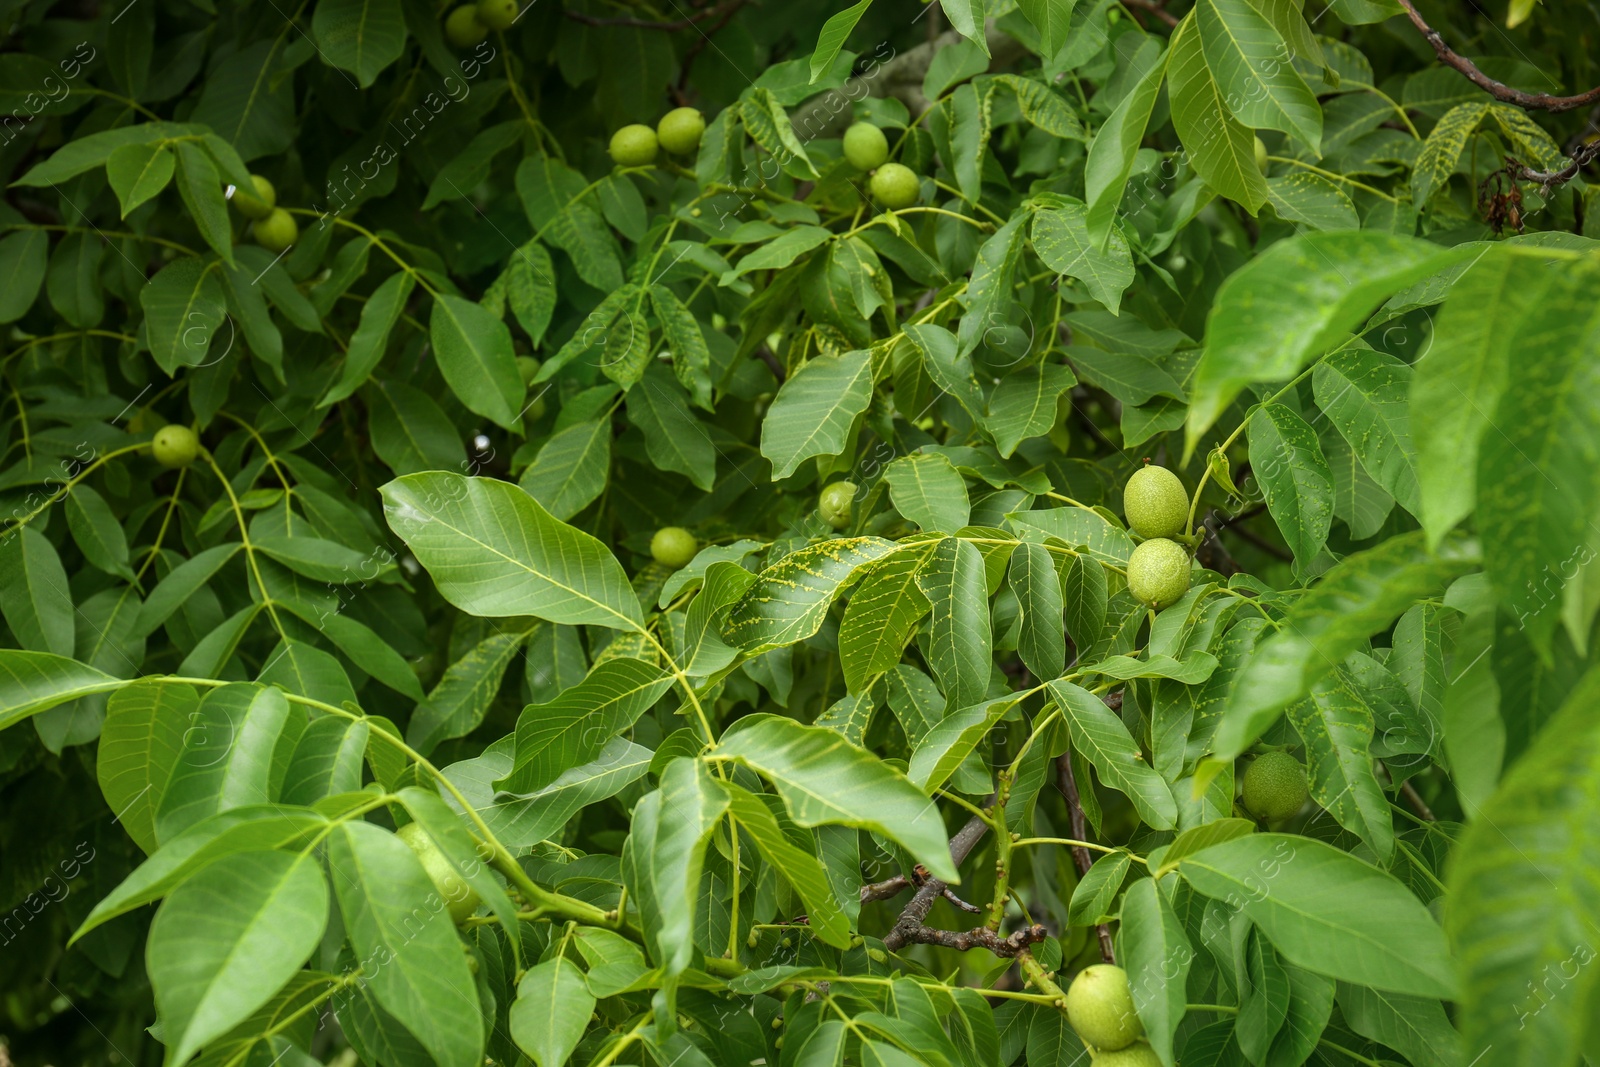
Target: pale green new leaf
column 571, row 469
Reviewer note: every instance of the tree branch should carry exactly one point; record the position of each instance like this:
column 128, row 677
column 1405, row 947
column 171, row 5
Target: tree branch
column 1154, row 8
column 912, row 929
column 1581, row 157
column 1499, row 90
column 980, row 937
column 961, row 846
column 1080, row 855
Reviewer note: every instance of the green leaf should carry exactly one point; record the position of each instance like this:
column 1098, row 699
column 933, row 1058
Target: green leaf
column 326, row 760
column 1336, row 727
column 1539, row 470
column 239, row 830
column 228, row 938
column 410, row 432
column 1416, row 1027
column 1062, row 239
column 1523, row 898
column 184, row 306
column 531, row 290
column 1442, row 150
column 925, row 488
column 674, row 439
column 73, row 280
column 361, row 36
column 1247, row 58
column 779, row 252
column 571, row 469
column 493, row 551
column 1156, row 954
column 33, row 593
column 959, row 639
column 824, row 779
column 1220, row 149
column 1361, row 596
column 576, row 726
column 989, row 299
column 1287, row 461
column 473, row 349
column 140, row 742
column 943, row 749
column 799, row 867
column 770, row 127
column 31, row 682
column 1364, row 394
column 138, row 172
column 882, row 615
column 419, row 973
column 551, row 1011
column 815, row 410
column 470, row 169
column 1200, row 837
column 201, row 189
column 1034, row 583
column 227, row 759
column 524, row 822
column 1328, row 912
column 1023, row 405
column 665, row 853
column 23, row 258
column 1096, row 894
column 680, row 332
column 1102, row 738
column 1295, row 301
column 1313, row 201
column 1052, row 19
column 1116, row 144
column 181, row 583
column 833, row 36
column 967, row 18
column 371, row 338
column 790, row 599
column 1084, row 600
column 1266, row 1005
column 458, row 703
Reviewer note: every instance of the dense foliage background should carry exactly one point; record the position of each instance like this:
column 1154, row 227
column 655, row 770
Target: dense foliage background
column 812, row 798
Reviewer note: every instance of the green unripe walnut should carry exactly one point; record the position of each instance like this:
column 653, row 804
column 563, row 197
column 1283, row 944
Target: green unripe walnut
column 673, row 546
column 895, row 186
column 1156, row 503
column 835, row 503
column 460, row 897
column 1100, row 1008
column 865, row 146
column 680, row 129
column 634, row 146
column 463, row 28
column 497, row 14
column 1274, row 786
column 1261, row 155
column 1158, row 572
column 277, row 231
column 175, row 446
column 1138, row 1054
column 257, row 203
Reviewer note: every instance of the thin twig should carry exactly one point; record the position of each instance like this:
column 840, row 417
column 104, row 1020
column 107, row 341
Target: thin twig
column 1499, row 90
column 1581, row 157
column 981, row 937
column 1155, row 9
column 650, row 24
column 1418, row 805
column 1080, row 855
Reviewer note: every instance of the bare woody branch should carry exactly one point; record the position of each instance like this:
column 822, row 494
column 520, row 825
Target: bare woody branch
column 1080, row 855
column 1499, row 90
